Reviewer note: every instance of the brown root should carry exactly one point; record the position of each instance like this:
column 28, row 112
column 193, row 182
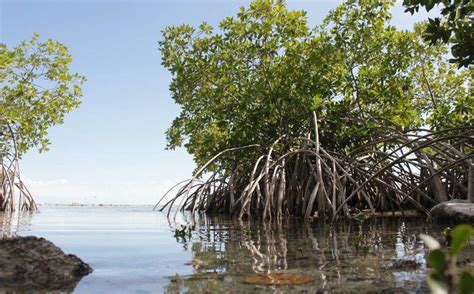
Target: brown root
column 397, row 172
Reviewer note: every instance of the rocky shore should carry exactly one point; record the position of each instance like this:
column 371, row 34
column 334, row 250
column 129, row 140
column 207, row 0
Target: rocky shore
column 36, row 264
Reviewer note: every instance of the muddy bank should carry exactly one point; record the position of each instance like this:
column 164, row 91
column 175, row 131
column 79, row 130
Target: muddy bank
column 31, row 263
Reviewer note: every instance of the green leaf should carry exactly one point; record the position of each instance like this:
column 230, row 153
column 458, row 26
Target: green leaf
column 460, row 238
column 466, row 282
column 437, row 261
column 360, row 216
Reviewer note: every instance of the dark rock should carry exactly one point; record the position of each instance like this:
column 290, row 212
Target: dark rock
column 31, row 263
column 454, row 211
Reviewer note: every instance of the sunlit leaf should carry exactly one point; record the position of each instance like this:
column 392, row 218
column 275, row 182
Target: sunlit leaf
column 430, row 242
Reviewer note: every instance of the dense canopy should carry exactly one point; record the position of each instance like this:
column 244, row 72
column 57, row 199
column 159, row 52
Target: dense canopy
column 261, row 73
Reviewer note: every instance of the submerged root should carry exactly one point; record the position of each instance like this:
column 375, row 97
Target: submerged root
column 400, row 171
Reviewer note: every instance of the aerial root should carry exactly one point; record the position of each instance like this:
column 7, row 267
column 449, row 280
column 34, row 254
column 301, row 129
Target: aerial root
column 397, row 172
column 13, row 192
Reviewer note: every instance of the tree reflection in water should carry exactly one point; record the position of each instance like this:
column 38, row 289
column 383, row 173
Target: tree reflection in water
column 12, row 221
column 378, row 254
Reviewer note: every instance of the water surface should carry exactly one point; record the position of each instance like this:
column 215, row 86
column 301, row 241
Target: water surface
column 136, row 250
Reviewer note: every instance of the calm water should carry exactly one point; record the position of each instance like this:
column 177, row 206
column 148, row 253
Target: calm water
column 133, row 249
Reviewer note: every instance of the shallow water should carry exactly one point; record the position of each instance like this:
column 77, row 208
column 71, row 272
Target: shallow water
column 133, row 249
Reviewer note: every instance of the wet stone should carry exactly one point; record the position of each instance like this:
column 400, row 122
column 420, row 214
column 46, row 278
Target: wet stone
column 454, row 211
column 36, row 264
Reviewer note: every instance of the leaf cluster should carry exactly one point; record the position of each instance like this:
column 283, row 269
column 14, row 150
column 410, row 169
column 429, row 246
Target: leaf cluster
column 444, row 275
column 37, row 90
column 456, row 26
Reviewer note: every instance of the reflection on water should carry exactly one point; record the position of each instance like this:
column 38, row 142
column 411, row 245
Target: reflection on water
column 379, row 254
column 133, row 249
column 11, row 222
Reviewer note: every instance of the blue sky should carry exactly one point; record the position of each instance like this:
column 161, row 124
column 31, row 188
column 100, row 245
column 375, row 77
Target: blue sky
column 111, row 150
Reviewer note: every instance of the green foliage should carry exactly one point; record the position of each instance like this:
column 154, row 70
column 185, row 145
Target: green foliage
column 466, row 282
column 443, row 277
column 240, row 86
column 454, row 26
column 262, row 73
column 37, row 90
column 460, row 238
column 437, row 261
column 359, row 215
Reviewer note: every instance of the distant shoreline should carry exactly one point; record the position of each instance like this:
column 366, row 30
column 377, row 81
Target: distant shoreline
column 92, row 205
